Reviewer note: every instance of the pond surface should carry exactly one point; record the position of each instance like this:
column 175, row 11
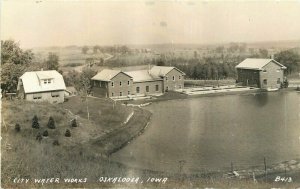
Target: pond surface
column 208, row 133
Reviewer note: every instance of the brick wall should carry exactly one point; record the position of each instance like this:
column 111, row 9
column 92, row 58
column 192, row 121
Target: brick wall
column 116, row 89
column 151, row 86
column 174, row 80
column 272, row 74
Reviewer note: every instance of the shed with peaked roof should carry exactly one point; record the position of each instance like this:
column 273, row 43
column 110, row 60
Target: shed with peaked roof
column 261, row 73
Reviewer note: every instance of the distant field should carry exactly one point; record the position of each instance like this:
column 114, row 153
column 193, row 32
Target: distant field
column 67, row 55
column 133, row 59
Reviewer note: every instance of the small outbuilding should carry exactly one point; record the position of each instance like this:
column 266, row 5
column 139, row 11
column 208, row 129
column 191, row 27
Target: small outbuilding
column 261, row 73
column 42, row 86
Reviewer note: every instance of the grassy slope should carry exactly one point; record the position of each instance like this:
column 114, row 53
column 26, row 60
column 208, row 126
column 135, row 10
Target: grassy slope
column 76, row 156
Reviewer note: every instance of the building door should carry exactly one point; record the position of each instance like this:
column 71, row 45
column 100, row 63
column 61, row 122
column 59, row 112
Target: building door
column 265, row 83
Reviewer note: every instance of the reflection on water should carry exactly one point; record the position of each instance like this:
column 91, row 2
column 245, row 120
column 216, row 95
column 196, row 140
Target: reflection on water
column 213, row 132
column 261, row 99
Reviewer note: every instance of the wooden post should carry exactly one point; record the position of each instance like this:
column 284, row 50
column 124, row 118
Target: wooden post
column 181, row 163
column 265, row 164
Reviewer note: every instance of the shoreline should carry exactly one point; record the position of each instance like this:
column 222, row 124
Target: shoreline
column 172, row 95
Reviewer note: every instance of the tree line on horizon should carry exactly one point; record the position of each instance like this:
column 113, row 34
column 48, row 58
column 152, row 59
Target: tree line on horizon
column 16, row 61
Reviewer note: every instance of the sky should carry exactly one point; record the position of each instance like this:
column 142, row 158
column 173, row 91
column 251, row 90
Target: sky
column 60, row 23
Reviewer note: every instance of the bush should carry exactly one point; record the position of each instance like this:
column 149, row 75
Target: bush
column 55, row 143
column 51, row 123
column 35, row 122
column 68, row 133
column 17, row 127
column 45, row 133
column 39, row 137
column 74, row 123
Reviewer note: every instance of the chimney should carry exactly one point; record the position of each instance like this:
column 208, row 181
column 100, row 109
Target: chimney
column 42, row 69
column 149, row 68
column 272, row 56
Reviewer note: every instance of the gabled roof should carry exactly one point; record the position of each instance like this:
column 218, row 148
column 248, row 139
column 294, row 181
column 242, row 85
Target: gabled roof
column 142, row 75
column 161, row 71
column 33, row 81
column 107, row 75
column 257, row 63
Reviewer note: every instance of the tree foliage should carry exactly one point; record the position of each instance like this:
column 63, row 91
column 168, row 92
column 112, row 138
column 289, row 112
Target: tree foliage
column 51, row 123
column 17, row 127
column 68, row 133
column 85, row 49
column 10, row 75
column 290, row 59
column 84, row 83
column 74, row 123
column 45, row 133
column 39, row 137
column 35, row 122
column 52, row 62
column 12, row 53
column 14, row 62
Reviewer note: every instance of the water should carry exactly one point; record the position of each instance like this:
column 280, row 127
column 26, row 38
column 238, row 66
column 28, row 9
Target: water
column 208, row 133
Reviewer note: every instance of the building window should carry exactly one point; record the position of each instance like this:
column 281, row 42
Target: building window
column 166, row 78
column 120, row 83
column 46, row 81
column 156, row 88
column 179, row 86
column 128, row 82
column 265, row 71
column 147, row 89
column 137, row 89
column 37, row 96
column 112, row 94
column 173, row 78
column 55, row 94
column 121, row 93
column 112, row 83
column 278, row 81
column 179, row 77
column 167, row 88
column 128, row 93
column 265, row 81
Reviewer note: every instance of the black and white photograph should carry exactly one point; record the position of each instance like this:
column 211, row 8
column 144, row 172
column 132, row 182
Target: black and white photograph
column 150, row 94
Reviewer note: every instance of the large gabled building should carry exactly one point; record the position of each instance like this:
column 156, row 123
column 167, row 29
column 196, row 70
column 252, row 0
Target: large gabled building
column 158, row 79
column 261, row 73
column 42, row 86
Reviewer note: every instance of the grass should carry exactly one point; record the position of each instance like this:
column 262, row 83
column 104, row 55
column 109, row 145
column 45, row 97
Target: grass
column 77, row 156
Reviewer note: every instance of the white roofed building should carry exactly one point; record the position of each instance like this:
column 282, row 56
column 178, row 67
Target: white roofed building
column 42, row 86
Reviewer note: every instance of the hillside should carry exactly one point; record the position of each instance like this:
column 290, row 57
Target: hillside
column 81, row 155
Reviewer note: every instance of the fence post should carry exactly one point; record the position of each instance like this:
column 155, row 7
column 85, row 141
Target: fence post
column 265, row 164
